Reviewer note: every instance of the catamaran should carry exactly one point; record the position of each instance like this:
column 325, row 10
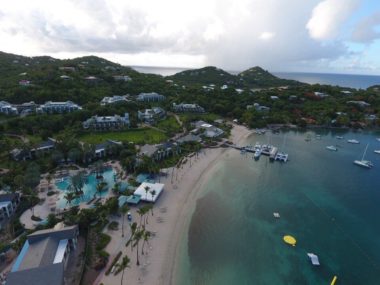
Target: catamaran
column 332, row 148
column 364, row 163
column 353, row 141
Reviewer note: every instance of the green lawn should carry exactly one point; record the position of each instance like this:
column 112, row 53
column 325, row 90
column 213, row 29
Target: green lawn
column 139, row 136
column 170, row 125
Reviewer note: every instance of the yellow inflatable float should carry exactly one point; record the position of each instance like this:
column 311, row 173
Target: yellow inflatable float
column 290, row 240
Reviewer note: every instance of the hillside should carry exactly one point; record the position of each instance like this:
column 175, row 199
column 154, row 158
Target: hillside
column 205, row 75
column 60, row 80
column 255, row 77
column 258, row 77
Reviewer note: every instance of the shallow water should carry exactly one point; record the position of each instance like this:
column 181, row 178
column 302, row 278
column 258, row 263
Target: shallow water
column 326, row 202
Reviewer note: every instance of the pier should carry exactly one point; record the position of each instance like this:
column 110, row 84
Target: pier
column 264, row 149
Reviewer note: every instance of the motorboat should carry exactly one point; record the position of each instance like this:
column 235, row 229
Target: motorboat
column 377, row 151
column 339, row 137
column 332, row 148
column 313, row 258
column 353, row 141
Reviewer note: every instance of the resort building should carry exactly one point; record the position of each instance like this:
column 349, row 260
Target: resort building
column 114, row 100
column 321, row 94
column 150, row 116
column 105, row 123
column 207, row 130
column 24, row 82
column 187, row 108
column 7, row 108
column 67, row 68
column 160, row 151
column 44, row 257
column 8, row 204
column 150, row 97
column 58, row 107
column 362, row 104
column 122, row 78
column 149, row 192
column 104, row 149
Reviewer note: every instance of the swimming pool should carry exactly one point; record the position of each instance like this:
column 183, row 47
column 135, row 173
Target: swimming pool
column 89, row 189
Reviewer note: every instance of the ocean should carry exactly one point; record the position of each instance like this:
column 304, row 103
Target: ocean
column 343, row 80
column 326, row 202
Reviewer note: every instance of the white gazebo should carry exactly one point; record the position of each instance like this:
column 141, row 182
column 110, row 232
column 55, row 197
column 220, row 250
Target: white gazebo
column 147, row 196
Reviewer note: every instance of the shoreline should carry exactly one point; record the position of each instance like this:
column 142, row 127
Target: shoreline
column 172, row 213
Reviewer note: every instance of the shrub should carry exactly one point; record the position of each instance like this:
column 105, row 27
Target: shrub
column 113, row 226
column 104, row 239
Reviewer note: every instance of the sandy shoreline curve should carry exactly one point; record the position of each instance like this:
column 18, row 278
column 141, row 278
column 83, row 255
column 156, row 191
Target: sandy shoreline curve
column 172, row 213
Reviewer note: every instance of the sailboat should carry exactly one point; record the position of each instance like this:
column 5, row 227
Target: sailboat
column 362, row 162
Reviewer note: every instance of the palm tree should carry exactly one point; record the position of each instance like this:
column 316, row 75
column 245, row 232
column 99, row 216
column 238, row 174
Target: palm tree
column 124, row 264
column 124, row 210
column 133, row 232
column 137, row 238
column 153, row 193
column 141, row 212
column 146, row 236
column 69, row 196
column 146, row 188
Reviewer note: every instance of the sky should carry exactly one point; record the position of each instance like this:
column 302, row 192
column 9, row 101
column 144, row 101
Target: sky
column 333, row 36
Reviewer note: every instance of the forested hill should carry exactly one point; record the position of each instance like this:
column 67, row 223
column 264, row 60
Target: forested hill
column 258, row 77
column 255, row 77
column 205, row 75
column 82, row 80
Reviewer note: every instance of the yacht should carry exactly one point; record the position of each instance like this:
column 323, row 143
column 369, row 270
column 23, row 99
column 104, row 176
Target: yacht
column 332, row 148
column 377, row 151
column 364, row 163
column 353, row 141
column 281, row 156
column 257, row 154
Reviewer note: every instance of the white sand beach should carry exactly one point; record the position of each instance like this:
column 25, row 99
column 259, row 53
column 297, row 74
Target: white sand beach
column 172, row 212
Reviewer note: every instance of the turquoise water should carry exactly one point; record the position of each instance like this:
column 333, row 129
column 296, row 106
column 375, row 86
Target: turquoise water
column 331, row 207
column 89, row 189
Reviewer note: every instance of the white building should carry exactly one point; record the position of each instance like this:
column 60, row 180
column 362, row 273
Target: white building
column 149, row 192
column 114, row 100
column 151, row 115
column 207, row 130
column 150, row 97
column 58, row 107
column 122, row 78
column 7, row 108
column 188, row 108
column 105, row 123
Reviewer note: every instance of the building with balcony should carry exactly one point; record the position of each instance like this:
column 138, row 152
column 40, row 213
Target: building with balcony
column 187, row 108
column 114, row 100
column 150, row 116
column 51, row 107
column 106, row 123
column 150, row 97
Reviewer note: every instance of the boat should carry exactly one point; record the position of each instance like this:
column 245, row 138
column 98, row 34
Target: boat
column 281, row 156
column 378, row 139
column 353, row 141
column 257, row 154
column 377, row 151
column 332, row 148
column 313, row 258
column 290, row 240
column 318, row 137
column 339, row 137
column 276, row 215
column 364, row 163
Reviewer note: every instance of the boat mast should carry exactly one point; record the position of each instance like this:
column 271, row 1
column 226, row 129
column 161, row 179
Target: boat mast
column 365, row 152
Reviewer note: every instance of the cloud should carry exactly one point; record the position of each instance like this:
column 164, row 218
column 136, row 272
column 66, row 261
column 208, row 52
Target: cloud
column 365, row 31
column 276, row 34
column 328, row 17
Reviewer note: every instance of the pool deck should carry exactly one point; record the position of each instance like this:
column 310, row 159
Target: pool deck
column 49, row 206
